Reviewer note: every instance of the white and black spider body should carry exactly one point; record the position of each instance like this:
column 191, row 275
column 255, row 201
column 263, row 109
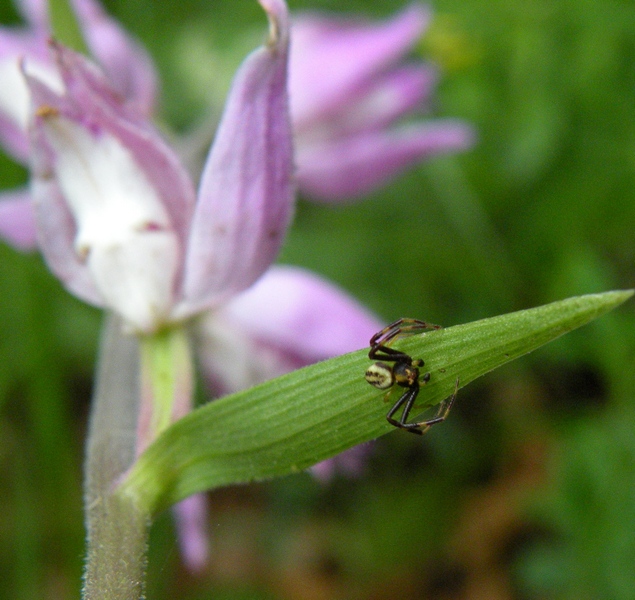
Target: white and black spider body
column 396, row 367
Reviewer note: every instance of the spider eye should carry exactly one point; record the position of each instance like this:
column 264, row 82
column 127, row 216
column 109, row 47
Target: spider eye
column 380, row 375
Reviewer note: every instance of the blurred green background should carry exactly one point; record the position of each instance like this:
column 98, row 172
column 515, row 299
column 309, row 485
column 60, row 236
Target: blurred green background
column 528, row 490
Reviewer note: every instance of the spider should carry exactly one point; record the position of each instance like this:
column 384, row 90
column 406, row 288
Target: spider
column 405, row 373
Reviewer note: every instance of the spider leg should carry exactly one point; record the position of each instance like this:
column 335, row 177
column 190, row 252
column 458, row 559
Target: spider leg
column 401, row 327
column 396, row 406
column 389, row 354
column 413, row 393
column 444, row 410
column 408, row 398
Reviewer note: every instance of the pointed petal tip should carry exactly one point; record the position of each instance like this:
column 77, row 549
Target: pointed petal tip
column 347, row 169
column 278, row 15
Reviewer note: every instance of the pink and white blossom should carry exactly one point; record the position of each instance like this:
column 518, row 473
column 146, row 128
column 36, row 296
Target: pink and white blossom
column 119, row 220
column 122, row 225
column 125, row 62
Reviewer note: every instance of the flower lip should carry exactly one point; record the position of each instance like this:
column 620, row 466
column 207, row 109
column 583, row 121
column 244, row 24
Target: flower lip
column 123, row 231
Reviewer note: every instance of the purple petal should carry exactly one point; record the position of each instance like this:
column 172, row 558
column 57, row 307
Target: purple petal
column 246, row 193
column 389, row 97
column 56, row 235
column 191, row 525
column 226, row 352
column 17, row 219
column 339, row 170
column 290, row 318
column 307, row 316
column 331, row 58
column 127, row 64
column 395, row 94
column 91, row 100
column 349, row 463
column 55, row 225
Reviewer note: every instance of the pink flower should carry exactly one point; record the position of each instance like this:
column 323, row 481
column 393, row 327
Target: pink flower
column 349, row 89
column 118, row 218
column 121, row 224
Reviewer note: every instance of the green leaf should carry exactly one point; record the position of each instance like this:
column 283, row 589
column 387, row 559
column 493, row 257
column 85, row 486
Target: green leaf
column 288, row 424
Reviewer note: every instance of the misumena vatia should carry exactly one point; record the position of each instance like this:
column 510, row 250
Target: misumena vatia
column 404, row 371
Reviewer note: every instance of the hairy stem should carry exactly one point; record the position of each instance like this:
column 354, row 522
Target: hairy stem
column 117, row 531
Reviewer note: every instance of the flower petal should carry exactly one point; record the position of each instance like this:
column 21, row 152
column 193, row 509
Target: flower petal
column 123, row 231
column 383, row 101
column 231, row 360
column 191, row 517
column 331, row 58
column 17, row 220
column 295, row 309
column 390, row 97
column 349, row 463
column 127, row 64
column 91, row 100
column 288, row 319
column 246, row 193
column 339, row 170
column 56, row 235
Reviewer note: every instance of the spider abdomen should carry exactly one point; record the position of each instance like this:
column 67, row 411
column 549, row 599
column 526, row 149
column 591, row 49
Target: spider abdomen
column 380, row 375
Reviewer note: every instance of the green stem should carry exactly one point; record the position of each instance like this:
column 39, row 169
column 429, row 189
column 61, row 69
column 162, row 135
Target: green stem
column 166, row 382
column 117, row 529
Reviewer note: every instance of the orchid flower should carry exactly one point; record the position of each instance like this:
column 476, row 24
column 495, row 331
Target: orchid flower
column 120, row 222
column 126, row 63
column 350, row 89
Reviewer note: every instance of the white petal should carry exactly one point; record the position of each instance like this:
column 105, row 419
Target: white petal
column 123, row 229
